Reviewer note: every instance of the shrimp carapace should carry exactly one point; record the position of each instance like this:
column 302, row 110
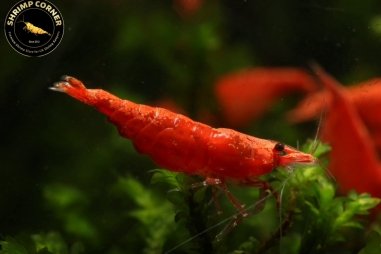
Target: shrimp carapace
column 178, row 143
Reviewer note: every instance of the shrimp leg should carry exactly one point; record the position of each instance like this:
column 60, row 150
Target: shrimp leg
column 264, row 193
column 221, row 185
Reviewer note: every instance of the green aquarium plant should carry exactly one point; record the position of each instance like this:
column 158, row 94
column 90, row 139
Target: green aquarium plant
column 303, row 214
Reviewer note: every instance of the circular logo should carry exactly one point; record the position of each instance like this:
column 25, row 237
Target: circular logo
column 34, row 28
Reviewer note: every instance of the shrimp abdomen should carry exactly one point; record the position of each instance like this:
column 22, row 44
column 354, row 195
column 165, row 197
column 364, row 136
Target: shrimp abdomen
column 171, row 140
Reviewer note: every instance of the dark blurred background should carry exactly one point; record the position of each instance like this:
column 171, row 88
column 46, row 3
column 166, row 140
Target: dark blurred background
column 57, row 154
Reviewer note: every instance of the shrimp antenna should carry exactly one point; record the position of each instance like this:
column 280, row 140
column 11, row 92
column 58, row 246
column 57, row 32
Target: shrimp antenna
column 315, row 143
column 314, row 67
column 217, row 224
column 21, row 21
column 292, row 172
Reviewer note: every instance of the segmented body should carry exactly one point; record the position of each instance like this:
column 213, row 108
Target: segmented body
column 29, row 27
column 178, row 143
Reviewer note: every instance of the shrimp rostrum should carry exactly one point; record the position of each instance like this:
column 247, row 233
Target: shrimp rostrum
column 180, row 144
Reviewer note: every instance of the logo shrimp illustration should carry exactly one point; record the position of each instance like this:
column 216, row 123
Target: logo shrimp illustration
column 180, row 144
column 30, row 28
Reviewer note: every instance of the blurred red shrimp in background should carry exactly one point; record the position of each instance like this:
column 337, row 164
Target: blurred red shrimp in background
column 170, row 105
column 246, row 95
column 187, row 8
column 365, row 97
column 353, row 159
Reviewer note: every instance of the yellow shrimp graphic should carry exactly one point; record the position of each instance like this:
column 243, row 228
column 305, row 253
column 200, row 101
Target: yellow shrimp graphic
column 30, row 28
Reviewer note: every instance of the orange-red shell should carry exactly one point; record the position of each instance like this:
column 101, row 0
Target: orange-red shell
column 178, row 143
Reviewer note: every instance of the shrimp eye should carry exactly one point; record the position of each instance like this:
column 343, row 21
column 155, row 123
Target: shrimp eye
column 279, row 147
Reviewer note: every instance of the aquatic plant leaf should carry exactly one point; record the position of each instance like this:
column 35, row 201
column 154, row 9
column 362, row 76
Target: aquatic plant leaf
column 51, row 242
column 80, row 225
column 167, row 177
column 373, row 244
column 69, row 205
column 152, row 212
column 63, row 196
column 310, row 195
column 12, row 246
column 43, row 243
column 247, row 246
column 290, row 244
column 318, row 147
